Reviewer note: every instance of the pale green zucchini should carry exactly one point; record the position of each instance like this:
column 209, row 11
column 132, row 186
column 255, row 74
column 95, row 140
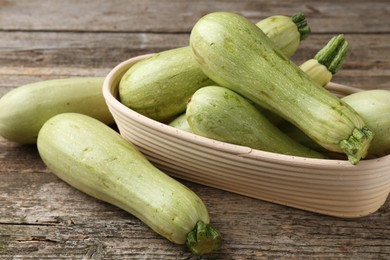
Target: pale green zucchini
column 160, row 86
column 374, row 107
column 285, row 32
column 327, row 61
column 320, row 68
column 236, row 54
column 180, row 122
column 25, row 109
column 221, row 114
column 95, row 159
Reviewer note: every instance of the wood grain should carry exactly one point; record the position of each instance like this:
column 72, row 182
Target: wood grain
column 179, row 16
column 41, row 217
column 50, row 55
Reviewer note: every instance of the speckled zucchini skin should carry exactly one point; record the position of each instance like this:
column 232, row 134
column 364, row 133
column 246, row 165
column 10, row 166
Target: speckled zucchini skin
column 25, row 109
column 95, row 159
column 236, row 54
column 159, row 87
column 221, row 114
column 374, row 107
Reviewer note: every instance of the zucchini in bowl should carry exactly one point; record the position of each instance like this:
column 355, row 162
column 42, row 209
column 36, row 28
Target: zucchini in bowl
column 221, row 114
column 160, row 86
column 374, row 106
column 236, row 54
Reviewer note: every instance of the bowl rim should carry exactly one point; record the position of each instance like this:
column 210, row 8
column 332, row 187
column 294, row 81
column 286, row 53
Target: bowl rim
column 110, row 91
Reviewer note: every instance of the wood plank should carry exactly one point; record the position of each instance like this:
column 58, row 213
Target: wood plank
column 180, row 16
column 81, row 49
column 26, row 57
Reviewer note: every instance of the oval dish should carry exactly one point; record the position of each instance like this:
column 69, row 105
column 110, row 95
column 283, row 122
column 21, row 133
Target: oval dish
column 331, row 187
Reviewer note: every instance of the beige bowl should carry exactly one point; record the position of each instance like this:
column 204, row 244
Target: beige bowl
column 331, row 187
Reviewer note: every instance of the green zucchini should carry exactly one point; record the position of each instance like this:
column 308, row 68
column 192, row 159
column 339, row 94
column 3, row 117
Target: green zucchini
column 285, row 32
column 327, row 61
column 160, row 86
column 25, row 109
column 95, row 159
column 236, row 54
column 221, row 114
column 321, row 69
column 374, row 107
column 180, row 122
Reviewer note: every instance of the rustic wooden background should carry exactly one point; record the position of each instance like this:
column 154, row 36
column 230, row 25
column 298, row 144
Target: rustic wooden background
column 43, row 218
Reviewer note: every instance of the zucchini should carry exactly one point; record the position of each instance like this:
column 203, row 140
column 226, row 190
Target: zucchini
column 221, row 114
column 160, row 86
column 327, row 61
column 321, row 69
column 236, row 54
column 180, row 122
column 374, row 107
column 25, row 109
column 95, row 159
column 285, row 32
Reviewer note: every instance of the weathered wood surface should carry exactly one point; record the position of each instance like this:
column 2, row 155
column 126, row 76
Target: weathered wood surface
column 173, row 16
column 43, row 218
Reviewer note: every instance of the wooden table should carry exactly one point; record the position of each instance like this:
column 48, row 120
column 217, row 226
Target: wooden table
column 41, row 217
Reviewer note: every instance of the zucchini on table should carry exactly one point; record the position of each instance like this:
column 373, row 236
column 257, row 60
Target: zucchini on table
column 95, row 159
column 236, row 54
column 25, row 109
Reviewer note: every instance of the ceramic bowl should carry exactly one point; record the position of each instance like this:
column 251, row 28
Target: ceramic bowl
column 331, row 187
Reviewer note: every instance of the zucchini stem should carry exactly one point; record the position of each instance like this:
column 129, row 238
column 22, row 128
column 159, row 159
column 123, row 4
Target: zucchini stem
column 327, row 61
column 333, row 54
column 203, row 239
column 356, row 146
column 303, row 27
